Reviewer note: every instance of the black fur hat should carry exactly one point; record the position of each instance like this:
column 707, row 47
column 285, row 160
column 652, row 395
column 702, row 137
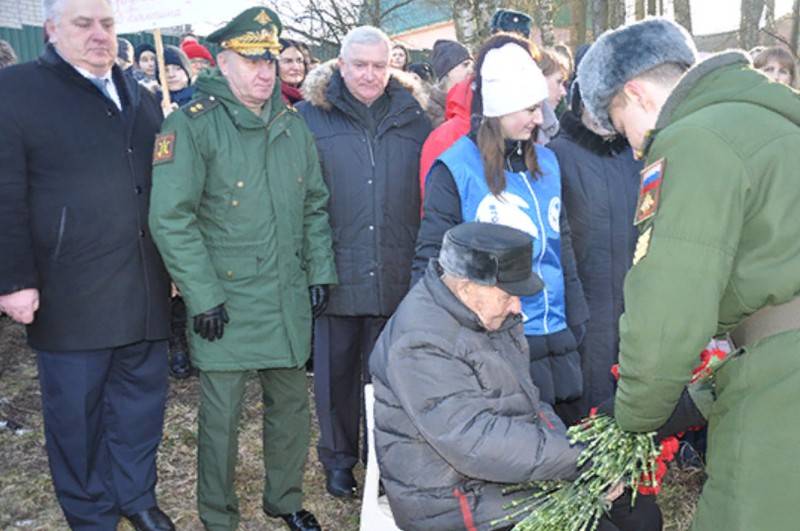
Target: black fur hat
column 491, row 255
column 622, row 54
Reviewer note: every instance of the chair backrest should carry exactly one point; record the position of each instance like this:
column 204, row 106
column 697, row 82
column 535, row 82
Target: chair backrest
column 376, row 515
column 371, row 480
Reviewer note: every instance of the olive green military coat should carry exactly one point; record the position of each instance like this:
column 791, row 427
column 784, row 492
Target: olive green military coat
column 238, row 213
column 718, row 242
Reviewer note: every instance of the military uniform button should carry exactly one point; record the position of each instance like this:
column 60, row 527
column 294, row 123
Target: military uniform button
column 371, row 227
column 240, row 184
column 235, row 203
column 211, row 98
column 229, row 274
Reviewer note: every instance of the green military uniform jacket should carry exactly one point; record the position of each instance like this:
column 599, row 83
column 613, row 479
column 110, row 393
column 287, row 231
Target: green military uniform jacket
column 720, row 239
column 238, row 213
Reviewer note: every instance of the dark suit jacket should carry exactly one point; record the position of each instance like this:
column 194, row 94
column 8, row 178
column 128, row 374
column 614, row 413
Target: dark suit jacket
column 75, row 176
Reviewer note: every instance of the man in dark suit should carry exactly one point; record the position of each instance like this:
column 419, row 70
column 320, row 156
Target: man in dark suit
column 77, row 264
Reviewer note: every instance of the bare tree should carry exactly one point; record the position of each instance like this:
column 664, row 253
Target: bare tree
column 472, row 19
column 578, row 9
column 599, row 17
column 640, row 9
column 545, row 10
column 748, row 24
column 616, row 13
column 683, row 13
column 795, row 36
column 326, row 22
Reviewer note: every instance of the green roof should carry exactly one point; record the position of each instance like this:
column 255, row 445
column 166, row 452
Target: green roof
column 420, row 13
column 413, row 15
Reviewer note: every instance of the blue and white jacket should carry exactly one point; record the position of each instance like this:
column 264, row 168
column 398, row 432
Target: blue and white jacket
column 532, row 205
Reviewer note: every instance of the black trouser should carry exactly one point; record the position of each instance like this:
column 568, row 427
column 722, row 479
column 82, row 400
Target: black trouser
column 177, row 325
column 342, row 346
column 103, row 415
column 644, row 516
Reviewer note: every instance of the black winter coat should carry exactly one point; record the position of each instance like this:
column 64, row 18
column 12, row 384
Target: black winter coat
column 457, row 413
column 374, row 188
column 600, row 182
column 74, row 196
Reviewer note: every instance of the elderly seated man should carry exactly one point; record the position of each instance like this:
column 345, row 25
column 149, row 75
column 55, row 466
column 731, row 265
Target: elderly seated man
column 457, row 416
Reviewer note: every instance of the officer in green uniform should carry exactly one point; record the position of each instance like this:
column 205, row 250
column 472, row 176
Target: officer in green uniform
column 238, row 214
column 718, row 252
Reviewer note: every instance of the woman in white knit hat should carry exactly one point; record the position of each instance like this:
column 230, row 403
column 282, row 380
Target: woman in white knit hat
column 498, row 174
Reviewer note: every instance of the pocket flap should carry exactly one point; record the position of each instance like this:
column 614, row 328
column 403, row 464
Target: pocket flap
column 235, row 267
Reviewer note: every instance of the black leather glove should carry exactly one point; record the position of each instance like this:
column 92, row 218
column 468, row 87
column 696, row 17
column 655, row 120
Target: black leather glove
column 684, row 416
column 319, row 299
column 210, row 325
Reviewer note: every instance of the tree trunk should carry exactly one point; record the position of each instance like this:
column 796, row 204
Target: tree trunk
column 578, row 32
column 616, row 13
column 640, row 9
column 472, row 18
column 795, row 36
column 683, row 13
column 748, row 24
column 599, row 16
column 545, row 10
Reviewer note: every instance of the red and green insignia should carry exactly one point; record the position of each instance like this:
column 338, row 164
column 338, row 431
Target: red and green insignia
column 650, row 191
column 164, row 149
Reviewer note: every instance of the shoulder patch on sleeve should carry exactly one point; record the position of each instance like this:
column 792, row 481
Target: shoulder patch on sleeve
column 650, row 191
column 642, row 245
column 164, row 148
column 200, row 106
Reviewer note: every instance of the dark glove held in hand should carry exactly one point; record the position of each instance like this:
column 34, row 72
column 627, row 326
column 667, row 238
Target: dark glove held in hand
column 319, row 299
column 210, row 325
column 685, row 416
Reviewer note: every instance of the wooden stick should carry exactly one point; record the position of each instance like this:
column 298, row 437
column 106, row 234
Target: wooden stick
column 162, row 70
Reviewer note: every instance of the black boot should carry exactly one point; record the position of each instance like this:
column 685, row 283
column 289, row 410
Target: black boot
column 180, row 367
column 152, row 519
column 340, row 482
column 302, row 520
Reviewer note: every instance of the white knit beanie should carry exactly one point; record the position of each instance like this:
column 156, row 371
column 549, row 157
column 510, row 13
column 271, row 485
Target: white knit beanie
column 511, row 81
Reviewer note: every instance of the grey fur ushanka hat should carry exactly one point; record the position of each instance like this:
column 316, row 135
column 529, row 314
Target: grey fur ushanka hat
column 622, row 54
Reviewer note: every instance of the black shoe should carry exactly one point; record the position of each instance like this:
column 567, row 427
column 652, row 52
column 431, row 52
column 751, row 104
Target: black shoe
column 152, row 519
column 340, row 482
column 302, row 520
column 180, row 367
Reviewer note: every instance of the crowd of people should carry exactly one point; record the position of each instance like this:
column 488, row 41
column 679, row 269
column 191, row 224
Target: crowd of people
column 483, row 236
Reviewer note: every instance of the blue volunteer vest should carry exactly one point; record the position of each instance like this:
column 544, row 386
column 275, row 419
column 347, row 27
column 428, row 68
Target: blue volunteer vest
column 530, row 205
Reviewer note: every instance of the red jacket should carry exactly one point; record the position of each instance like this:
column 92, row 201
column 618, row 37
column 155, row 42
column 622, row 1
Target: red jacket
column 457, row 113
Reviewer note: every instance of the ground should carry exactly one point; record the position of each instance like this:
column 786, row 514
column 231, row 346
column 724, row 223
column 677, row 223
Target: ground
column 26, row 494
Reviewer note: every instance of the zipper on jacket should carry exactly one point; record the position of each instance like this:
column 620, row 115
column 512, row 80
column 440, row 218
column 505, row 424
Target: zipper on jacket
column 61, row 227
column 543, row 232
column 369, row 148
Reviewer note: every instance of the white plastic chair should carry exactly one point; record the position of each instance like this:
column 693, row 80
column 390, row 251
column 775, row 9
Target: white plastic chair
column 376, row 515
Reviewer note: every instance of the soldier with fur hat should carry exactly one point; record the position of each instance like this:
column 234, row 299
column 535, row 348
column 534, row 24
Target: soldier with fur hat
column 717, row 253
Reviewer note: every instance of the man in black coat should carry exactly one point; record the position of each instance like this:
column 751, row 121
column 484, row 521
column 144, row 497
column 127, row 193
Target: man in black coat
column 369, row 130
column 77, row 264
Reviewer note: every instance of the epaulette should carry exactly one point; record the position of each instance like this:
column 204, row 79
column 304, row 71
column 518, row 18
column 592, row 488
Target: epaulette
column 200, row 106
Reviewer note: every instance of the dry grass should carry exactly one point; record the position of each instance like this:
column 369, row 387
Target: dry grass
column 26, row 494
